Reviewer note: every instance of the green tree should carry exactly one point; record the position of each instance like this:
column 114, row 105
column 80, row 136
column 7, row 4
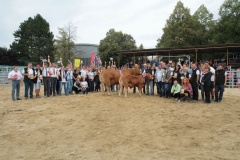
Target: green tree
column 141, row 47
column 33, row 40
column 8, row 57
column 205, row 25
column 228, row 25
column 115, row 41
column 65, row 42
column 180, row 29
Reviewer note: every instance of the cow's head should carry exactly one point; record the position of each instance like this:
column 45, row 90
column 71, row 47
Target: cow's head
column 136, row 71
column 148, row 77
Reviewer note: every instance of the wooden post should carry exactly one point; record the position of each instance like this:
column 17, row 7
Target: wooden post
column 118, row 60
column 196, row 55
column 134, row 59
column 227, row 56
column 168, row 56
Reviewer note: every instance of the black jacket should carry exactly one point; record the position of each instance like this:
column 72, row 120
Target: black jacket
column 207, row 79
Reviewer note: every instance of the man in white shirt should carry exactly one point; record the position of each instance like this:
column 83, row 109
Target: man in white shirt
column 16, row 77
column 29, row 76
column 46, row 79
column 38, row 73
column 159, row 80
column 53, row 79
column 83, row 72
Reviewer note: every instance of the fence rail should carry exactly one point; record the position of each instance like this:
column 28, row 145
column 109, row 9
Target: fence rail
column 233, row 76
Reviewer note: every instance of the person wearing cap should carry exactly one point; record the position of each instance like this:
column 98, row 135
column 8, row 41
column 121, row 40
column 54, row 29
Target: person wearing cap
column 15, row 76
column 220, row 82
column 38, row 83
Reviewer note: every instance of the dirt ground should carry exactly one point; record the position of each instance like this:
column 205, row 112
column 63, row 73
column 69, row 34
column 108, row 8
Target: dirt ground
column 111, row 127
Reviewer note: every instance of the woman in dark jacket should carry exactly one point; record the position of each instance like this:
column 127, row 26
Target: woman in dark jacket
column 177, row 74
column 206, row 82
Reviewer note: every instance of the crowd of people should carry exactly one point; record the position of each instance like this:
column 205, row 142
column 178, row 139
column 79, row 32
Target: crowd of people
column 179, row 81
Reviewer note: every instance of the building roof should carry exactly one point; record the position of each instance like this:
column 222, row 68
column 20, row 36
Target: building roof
column 85, row 44
column 235, row 47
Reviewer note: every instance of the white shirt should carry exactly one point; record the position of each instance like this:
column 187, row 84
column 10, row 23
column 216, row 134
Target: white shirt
column 36, row 73
column 83, row 73
column 30, row 71
column 91, row 75
column 84, row 84
column 159, row 75
column 213, row 73
column 54, row 72
column 13, row 74
column 45, row 72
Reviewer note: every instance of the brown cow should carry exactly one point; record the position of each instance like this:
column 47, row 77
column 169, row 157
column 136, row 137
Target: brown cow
column 111, row 77
column 139, row 81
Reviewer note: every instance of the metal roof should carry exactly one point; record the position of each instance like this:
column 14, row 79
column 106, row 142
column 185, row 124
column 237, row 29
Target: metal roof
column 235, row 47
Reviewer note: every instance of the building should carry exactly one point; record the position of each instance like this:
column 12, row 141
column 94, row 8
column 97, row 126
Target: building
column 84, row 51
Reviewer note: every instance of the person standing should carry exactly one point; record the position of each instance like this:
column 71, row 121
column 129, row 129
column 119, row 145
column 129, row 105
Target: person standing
column 69, row 78
column 212, row 70
column 54, row 76
column 58, row 83
column 150, row 83
column 194, row 81
column 220, row 82
column 97, row 80
column 29, row 75
column 37, row 85
column 159, row 80
column 153, row 76
column 46, row 80
column 167, row 77
column 62, row 81
column 206, row 82
column 90, row 78
column 15, row 76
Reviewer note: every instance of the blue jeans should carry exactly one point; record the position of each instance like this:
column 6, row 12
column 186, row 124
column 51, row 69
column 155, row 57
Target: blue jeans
column 69, row 85
column 167, row 89
column 15, row 87
column 28, row 85
column 160, row 88
column 149, row 84
column 91, row 85
column 65, row 88
column 202, row 91
column 219, row 88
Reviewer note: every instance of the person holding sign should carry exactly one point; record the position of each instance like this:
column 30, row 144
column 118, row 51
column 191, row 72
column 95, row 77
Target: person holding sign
column 16, row 77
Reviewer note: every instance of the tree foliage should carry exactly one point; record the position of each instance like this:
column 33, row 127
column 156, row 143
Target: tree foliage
column 115, row 41
column 180, row 29
column 8, row 57
column 65, row 42
column 228, row 25
column 33, row 40
column 205, row 25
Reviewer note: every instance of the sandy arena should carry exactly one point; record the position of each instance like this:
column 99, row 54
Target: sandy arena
column 101, row 127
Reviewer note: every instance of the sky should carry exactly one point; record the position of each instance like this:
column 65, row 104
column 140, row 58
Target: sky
column 143, row 19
